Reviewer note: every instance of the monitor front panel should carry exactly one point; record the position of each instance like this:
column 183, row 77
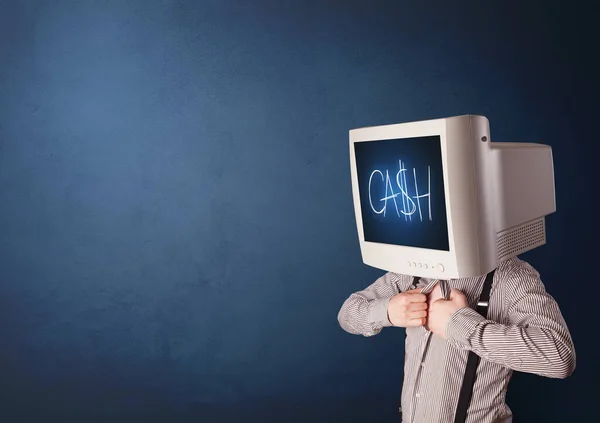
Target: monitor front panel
column 402, row 193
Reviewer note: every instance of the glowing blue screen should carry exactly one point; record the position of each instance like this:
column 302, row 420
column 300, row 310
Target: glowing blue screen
column 401, row 189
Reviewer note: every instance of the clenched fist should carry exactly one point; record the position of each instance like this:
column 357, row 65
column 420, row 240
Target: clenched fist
column 441, row 310
column 408, row 309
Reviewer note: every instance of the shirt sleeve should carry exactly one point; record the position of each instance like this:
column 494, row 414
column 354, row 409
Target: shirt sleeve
column 534, row 340
column 365, row 312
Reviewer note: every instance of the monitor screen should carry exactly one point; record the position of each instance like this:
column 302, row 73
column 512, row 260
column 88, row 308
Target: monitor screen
column 401, row 188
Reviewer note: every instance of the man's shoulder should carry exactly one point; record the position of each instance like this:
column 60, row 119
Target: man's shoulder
column 509, row 273
column 397, row 278
column 516, row 266
column 513, row 273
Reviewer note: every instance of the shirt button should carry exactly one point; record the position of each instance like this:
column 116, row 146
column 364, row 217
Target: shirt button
column 418, row 395
column 422, row 364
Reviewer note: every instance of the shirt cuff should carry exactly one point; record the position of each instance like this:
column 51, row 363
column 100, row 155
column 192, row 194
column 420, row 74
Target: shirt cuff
column 461, row 325
column 378, row 314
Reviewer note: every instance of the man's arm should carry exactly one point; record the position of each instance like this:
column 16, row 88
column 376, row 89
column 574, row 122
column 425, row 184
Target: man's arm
column 366, row 312
column 536, row 338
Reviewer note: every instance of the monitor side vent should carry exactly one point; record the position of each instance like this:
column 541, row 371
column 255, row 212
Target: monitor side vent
column 522, row 238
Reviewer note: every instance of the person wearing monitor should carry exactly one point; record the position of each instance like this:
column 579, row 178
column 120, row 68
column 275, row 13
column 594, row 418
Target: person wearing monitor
column 447, row 213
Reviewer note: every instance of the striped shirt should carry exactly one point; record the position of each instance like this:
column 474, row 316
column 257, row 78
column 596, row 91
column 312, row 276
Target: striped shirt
column 524, row 331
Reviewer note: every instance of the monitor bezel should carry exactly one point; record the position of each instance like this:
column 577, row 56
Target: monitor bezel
column 459, row 167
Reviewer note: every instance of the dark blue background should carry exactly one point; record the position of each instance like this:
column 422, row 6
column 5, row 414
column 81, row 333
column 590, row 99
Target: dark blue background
column 176, row 220
column 420, row 156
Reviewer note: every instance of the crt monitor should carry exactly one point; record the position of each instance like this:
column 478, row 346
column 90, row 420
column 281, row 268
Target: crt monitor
column 439, row 199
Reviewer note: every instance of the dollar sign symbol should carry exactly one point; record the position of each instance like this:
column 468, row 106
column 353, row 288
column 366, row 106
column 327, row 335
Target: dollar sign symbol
column 405, row 202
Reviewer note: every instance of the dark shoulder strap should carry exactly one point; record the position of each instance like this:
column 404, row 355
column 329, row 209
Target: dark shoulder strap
column 466, row 390
column 415, row 282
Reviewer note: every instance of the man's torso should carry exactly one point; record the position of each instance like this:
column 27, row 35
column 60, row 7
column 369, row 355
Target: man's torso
column 434, row 369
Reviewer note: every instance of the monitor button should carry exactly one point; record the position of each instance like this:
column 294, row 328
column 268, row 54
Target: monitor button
column 440, row 267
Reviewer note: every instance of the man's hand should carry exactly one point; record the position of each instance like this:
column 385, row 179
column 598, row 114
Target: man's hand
column 408, row 309
column 441, row 310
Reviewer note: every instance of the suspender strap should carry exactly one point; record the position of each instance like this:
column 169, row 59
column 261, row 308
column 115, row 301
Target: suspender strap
column 466, row 390
column 415, row 282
